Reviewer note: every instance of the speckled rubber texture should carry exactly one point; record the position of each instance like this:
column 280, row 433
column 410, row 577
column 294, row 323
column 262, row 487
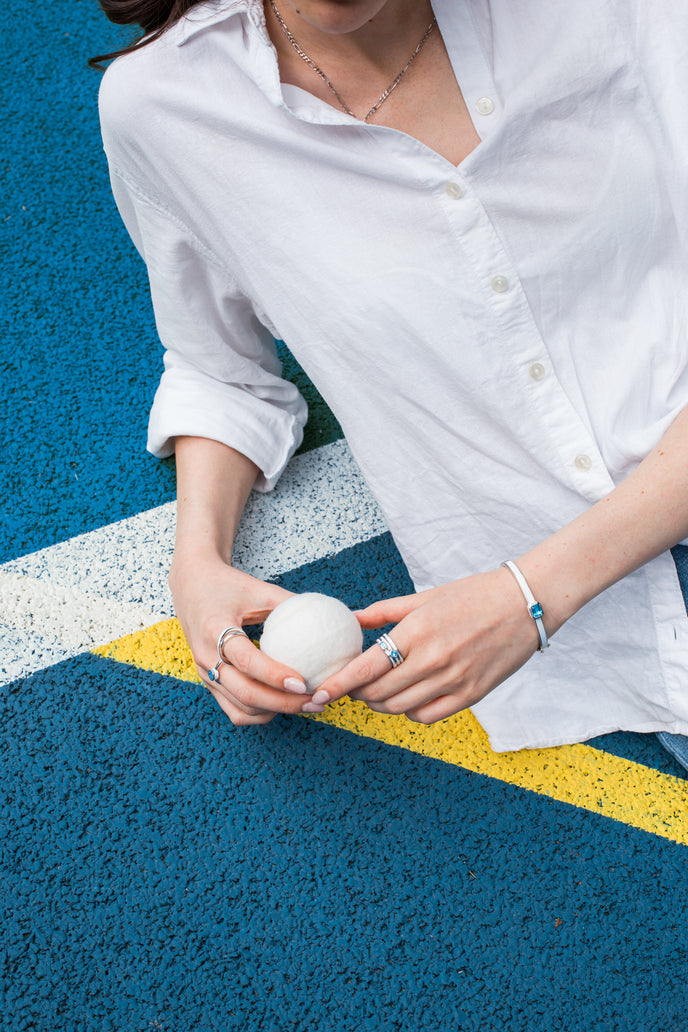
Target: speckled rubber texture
column 641, row 792
column 79, row 355
column 163, row 872
column 112, row 581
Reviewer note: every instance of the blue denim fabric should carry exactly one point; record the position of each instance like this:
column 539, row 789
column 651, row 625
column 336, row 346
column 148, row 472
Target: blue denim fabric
column 677, row 745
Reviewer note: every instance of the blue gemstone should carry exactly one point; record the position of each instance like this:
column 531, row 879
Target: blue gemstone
column 536, row 611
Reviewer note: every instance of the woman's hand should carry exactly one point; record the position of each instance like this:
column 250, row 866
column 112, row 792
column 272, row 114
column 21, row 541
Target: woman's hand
column 463, row 639
column 459, row 641
column 213, row 483
column 210, row 596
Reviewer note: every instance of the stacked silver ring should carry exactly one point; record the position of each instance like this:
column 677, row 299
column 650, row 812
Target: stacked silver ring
column 227, row 635
column 390, row 650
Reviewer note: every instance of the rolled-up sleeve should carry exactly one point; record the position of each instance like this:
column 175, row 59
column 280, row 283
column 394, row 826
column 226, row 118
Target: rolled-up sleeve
column 222, row 374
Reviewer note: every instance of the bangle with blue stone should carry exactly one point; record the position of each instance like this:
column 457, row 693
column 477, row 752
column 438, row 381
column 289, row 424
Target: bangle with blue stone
column 534, row 607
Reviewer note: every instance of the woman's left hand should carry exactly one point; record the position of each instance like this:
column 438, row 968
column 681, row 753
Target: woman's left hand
column 459, row 641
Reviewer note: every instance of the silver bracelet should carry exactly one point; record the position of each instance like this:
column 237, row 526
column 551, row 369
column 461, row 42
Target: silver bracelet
column 534, row 607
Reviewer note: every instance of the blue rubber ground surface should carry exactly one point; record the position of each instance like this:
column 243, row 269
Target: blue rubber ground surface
column 79, row 352
column 175, row 875
column 161, row 871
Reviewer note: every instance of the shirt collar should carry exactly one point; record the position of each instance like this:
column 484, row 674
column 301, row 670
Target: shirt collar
column 265, row 71
column 212, row 11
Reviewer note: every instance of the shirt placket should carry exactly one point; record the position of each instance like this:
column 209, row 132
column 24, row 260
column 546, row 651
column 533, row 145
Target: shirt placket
column 542, row 411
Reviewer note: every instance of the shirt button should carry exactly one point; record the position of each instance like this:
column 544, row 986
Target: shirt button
column 453, row 190
column 500, row 284
column 536, row 371
column 583, row 462
column 485, row 106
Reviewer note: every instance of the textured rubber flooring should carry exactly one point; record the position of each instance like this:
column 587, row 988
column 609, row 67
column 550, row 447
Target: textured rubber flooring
column 166, row 873
column 161, row 871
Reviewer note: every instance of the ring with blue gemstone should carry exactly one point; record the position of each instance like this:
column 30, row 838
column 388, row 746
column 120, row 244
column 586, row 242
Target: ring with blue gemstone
column 229, row 632
column 390, row 650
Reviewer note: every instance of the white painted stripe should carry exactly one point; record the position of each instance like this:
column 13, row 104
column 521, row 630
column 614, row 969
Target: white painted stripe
column 50, row 620
column 112, row 581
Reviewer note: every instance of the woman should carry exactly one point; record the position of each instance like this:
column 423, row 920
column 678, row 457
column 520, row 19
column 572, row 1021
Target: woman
column 469, row 223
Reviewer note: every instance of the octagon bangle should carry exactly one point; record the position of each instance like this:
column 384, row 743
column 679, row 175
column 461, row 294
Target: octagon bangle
column 534, row 607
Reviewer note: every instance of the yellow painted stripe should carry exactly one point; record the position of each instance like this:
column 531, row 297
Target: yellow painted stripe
column 577, row 774
column 161, row 648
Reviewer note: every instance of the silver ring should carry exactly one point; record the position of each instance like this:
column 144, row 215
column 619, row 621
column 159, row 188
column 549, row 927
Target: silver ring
column 213, row 674
column 227, row 634
column 390, row 650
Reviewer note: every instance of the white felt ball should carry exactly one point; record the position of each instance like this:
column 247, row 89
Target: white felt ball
column 316, row 635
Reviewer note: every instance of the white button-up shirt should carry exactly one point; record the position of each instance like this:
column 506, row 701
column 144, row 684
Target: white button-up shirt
column 502, row 341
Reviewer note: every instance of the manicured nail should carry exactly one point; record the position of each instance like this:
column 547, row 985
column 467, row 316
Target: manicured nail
column 311, row 707
column 293, row 684
column 321, row 698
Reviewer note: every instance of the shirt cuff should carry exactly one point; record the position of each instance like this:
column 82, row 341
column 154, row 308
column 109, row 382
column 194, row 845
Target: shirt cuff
column 267, row 430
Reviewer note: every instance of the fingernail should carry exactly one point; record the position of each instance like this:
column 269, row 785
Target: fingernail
column 293, row 684
column 311, row 707
column 320, row 698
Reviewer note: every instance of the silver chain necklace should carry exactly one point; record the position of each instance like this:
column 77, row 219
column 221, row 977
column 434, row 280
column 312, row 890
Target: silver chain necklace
column 309, row 61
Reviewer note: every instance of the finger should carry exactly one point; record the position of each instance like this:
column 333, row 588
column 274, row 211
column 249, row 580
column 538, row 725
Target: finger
column 251, row 696
column 372, row 667
column 389, row 610
column 267, row 598
column 237, row 716
column 441, row 708
column 241, row 654
column 220, row 690
column 396, row 702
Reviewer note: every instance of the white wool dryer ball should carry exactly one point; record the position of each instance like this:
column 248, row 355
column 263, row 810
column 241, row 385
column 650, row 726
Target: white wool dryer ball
column 314, row 634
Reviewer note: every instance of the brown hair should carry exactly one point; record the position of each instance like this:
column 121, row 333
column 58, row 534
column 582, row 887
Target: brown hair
column 153, row 16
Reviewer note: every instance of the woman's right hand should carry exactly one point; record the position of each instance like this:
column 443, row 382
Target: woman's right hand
column 209, row 596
